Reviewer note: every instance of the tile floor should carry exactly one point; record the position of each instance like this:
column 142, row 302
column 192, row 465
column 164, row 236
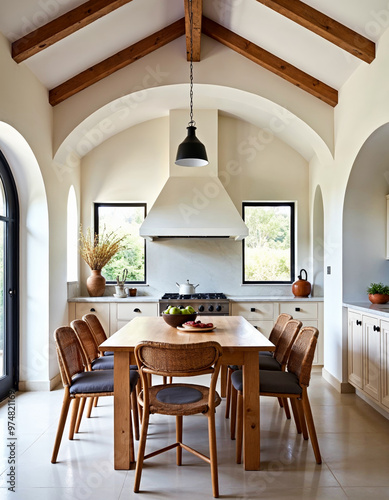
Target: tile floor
column 354, row 442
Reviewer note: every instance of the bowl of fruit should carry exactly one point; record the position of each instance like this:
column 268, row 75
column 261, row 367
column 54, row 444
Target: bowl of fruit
column 176, row 316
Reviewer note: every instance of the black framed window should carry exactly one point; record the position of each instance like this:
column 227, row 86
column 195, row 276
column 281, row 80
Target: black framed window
column 124, row 219
column 269, row 250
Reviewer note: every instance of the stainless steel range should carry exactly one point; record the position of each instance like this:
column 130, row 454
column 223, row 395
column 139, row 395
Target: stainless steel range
column 205, row 304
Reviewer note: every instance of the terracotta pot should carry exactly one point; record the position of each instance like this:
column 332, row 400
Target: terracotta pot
column 95, row 284
column 378, row 298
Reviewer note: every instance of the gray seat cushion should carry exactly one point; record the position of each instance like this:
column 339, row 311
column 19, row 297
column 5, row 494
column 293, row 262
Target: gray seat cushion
column 98, row 381
column 269, row 363
column 265, row 353
column 279, row 382
column 271, row 382
column 179, row 395
column 103, row 363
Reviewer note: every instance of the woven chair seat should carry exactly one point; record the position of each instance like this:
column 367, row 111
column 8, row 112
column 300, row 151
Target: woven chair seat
column 170, row 400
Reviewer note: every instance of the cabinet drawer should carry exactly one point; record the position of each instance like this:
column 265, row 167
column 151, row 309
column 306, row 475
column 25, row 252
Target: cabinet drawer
column 264, row 327
column 100, row 310
column 254, row 311
column 127, row 312
column 300, row 310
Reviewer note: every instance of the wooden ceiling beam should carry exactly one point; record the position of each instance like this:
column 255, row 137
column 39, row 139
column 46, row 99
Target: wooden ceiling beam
column 63, row 26
column 324, row 26
column 118, row 61
column 270, row 62
column 197, row 9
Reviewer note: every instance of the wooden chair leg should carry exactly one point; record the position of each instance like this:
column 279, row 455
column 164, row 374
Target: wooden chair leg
column 61, row 426
column 213, row 453
column 234, row 397
column 286, row 407
column 179, row 439
column 138, row 388
column 311, row 426
column 135, row 415
column 301, row 412
column 141, row 450
column 228, row 393
column 280, row 402
column 239, row 428
column 296, row 415
column 95, row 401
column 90, row 406
column 76, row 404
column 80, row 413
column 132, row 445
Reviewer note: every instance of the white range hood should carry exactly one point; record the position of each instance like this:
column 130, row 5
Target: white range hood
column 193, row 203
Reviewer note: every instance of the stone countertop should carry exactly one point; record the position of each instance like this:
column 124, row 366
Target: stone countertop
column 110, row 298
column 368, row 307
column 283, row 298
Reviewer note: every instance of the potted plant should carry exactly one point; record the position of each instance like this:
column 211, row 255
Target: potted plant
column 378, row 293
column 97, row 251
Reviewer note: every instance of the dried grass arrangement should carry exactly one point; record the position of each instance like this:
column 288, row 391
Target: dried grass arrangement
column 99, row 249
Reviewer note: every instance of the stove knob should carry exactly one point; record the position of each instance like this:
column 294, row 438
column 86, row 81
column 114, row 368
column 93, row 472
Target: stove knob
column 218, row 308
column 201, row 308
column 210, row 308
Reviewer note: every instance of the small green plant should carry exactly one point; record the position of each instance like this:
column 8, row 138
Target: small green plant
column 379, row 288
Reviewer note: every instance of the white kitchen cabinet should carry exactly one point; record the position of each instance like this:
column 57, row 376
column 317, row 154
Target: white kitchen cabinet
column 76, row 310
column 385, row 363
column 368, row 355
column 355, row 349
column 122, row 313
column 263, row 315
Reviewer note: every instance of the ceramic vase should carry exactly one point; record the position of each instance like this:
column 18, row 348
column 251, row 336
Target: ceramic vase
column 95, row 284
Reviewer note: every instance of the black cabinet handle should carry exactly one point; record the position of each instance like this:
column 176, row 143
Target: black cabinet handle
column 297, row 309
column 252, row 309
column 359, row 322
column 136, row 310
column 256, row 327
column 92, row 310
column 376, row 328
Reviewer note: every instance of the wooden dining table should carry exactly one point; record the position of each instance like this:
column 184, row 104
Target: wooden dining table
column 240, row 342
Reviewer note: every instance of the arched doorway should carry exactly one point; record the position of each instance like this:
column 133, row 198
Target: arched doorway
column 9, row 281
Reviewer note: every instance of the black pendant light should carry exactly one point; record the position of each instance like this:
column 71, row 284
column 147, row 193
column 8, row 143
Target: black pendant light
column 191, row 152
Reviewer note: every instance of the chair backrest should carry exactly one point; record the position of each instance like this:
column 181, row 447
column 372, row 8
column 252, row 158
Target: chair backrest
column 276, row 332
column 285, row 342
column 302, row 353
column 95, row 327
column 71, row 359
column 178, row 360
column 86, row 339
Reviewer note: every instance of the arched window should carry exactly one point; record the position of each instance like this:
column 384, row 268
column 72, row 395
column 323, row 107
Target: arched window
column 72, row 236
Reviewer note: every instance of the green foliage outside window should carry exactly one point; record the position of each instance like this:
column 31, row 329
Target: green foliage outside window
column 268, row 250
column 124, row 220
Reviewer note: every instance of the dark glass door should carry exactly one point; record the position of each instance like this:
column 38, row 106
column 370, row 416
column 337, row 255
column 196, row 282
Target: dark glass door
column 9, row 281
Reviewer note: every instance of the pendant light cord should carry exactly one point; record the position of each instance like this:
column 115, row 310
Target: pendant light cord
column 192, row 123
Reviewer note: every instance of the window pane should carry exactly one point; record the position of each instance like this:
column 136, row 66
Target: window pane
column 268, row 250
column 2, row 315
column 124, row 220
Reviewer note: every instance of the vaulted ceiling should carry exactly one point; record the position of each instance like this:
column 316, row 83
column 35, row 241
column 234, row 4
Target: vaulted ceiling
column 72, row 44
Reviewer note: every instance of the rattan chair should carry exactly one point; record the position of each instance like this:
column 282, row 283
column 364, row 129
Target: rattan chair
column 274, row 336
column 178, row 399
column 97, row 330
column 79, row 383
column 96, row 362
column 292, row 384
column 273, row 363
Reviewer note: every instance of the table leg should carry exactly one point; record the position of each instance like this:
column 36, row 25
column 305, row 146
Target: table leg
column 251, row 429
column 223, row 381
column 122, row 413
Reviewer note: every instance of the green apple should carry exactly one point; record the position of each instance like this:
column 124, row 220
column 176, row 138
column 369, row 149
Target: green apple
column 166, row 311
column 190, row 309
column 175, row 310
